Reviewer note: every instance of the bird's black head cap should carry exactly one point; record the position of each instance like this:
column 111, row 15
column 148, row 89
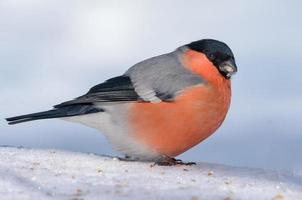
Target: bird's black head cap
column 218, row 53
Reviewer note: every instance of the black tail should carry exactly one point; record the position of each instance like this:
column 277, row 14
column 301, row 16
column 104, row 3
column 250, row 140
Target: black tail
column 66, row 111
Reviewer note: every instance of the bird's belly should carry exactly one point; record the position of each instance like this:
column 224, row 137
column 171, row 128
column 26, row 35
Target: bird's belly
column 113, row 124
column 170, row 128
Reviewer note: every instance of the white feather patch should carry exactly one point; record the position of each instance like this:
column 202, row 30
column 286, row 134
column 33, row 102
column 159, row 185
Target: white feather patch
column 146, row 94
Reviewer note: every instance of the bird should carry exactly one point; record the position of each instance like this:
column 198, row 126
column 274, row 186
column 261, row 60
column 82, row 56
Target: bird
column 160, row 107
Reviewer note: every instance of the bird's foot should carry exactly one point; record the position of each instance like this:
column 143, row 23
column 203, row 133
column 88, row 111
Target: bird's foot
column 168, row 161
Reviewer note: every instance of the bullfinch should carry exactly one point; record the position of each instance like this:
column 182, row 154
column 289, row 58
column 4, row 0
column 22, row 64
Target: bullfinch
column 160, row 107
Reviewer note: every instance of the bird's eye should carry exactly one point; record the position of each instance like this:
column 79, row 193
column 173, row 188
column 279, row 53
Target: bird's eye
column 212, row 56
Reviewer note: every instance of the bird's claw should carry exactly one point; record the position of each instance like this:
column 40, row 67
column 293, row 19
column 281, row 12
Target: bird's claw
column 168, row 161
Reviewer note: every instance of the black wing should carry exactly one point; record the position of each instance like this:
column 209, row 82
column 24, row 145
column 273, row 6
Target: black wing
column 113, row 90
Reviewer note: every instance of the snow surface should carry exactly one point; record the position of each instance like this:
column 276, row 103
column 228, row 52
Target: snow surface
column 53, row 174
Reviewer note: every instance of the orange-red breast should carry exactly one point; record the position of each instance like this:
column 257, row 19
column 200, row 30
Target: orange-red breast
column 160, row 107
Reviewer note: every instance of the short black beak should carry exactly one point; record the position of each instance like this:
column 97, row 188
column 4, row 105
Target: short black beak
column 228, row 68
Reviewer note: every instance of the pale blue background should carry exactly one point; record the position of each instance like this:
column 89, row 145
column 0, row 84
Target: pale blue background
column 54, row 50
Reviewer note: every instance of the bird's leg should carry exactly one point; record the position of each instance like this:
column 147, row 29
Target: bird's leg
column 169, row 161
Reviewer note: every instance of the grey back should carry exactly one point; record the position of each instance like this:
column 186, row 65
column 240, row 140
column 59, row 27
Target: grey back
column 162, row 77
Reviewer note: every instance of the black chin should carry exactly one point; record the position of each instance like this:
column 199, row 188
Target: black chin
column 224, row 74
